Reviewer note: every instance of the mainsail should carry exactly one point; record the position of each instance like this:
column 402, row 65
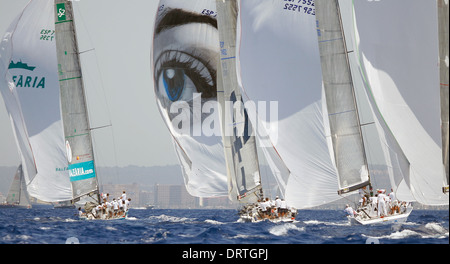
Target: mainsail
column 185, row 59
column 346, row 135
column 443, row 66
column 397, row 45
column 17, row 194
column 279, row 66
column 30, row 89
column 239, row 143
column 80, row 155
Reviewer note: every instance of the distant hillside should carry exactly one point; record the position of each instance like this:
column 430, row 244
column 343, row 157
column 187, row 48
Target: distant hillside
column 142, row 175
column 145, row 176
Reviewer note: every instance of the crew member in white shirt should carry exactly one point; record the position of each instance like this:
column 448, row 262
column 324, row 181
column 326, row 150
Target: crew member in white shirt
column 382, row 210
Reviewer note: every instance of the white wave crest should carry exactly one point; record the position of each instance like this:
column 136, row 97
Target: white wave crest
column 282, row 230
column 436, row 228
column 316, row 222
column 214, row 222
column 168, row 218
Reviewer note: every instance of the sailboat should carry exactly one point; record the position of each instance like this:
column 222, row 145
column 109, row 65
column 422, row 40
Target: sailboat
column 241, row 156
column 406, row 165
column 345, row 125
column 48, row 105
column 17, row 196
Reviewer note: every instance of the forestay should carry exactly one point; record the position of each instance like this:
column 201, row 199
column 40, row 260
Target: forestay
column 30, row 89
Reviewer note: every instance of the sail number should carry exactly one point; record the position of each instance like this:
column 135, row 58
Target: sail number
column 302, row 6
column 47, row 34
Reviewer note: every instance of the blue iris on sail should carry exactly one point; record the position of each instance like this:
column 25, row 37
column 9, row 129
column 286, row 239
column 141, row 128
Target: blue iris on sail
column 174, row 83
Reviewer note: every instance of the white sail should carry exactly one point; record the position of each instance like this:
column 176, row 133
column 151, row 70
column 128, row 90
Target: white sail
column 279, row 62
column 398, row 50
column 443, row 66
column 239, row 142
column 184, row 59
column 30, row 89
column 341, row 88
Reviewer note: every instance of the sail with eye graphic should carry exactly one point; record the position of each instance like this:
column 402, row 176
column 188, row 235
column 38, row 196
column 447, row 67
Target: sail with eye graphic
column 398, row 74
column 185, row 58
column 279, row 66
column 239, row 141
column 30, row 89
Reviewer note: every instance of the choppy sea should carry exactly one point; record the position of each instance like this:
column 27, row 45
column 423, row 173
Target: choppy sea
column 158, row 226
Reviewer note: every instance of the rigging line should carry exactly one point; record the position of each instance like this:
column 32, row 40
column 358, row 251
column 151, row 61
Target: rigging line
column 81, row 52
column 81, row 18
column 94, row 128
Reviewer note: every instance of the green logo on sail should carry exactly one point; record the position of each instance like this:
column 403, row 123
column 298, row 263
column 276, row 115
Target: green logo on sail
column 24, row 79
column 61, row 11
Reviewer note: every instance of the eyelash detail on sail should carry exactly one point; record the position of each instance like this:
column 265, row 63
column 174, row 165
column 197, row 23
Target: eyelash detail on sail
column 172, row 63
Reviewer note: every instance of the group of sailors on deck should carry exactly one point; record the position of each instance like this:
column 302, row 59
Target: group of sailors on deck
column 108, row 209
column 271, row 209
column 378, row 205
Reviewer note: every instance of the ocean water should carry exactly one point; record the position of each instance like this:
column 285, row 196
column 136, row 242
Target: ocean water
column 158, row 226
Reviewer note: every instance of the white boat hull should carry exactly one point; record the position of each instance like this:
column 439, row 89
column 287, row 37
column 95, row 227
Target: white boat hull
column 105, row 219
column 391, row 219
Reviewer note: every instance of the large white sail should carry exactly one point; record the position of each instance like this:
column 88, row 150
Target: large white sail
column 30, row 89
column 239, row 142
column 279, row 62
column 398, row 48
column 185, row 58
column 443, row 66
column 78, row 141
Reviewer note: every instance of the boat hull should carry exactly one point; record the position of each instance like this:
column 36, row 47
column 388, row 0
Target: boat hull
column 392, row 219
column 122, row 217
column 252, row 216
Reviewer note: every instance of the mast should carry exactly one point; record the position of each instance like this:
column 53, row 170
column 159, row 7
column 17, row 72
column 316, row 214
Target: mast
column 345, row 126
column 244, row 177
column 443, row 65
column 74, row 108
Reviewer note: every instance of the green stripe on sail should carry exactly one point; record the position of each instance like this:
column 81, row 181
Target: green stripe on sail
column 79, row 77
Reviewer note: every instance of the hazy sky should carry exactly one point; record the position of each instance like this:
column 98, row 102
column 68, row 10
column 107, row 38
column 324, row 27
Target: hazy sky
column 118, row 80
column 121, row 33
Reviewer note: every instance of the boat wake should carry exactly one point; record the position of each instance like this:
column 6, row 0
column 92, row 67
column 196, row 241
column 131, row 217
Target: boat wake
column 430, row 230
